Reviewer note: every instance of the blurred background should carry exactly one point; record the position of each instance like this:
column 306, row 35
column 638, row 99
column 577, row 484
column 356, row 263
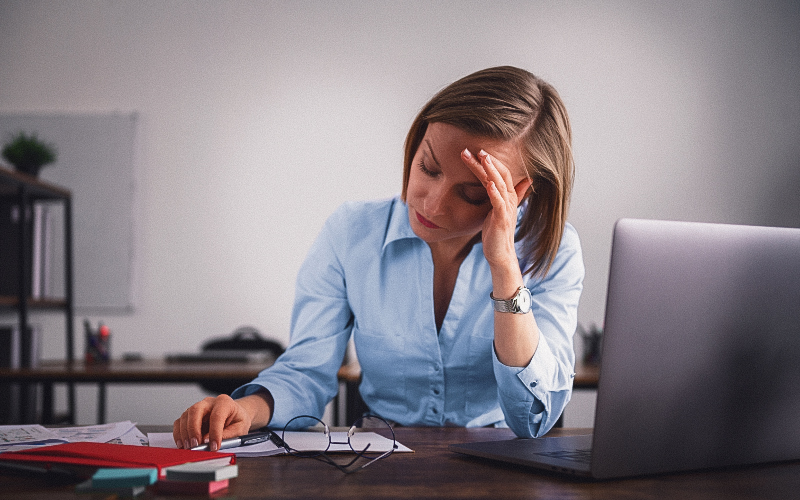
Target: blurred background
column 254, row 120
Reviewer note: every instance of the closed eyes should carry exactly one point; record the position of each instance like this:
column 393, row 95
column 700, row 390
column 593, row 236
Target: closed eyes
column 479, row 198
column 425, row 170
column 474, row 195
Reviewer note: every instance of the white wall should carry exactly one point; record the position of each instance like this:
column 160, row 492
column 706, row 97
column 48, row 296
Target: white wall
column 258, row 118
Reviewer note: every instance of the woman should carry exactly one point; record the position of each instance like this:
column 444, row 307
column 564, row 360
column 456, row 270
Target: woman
column 460, row 295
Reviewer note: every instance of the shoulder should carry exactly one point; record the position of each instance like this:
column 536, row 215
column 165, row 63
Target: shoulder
column 364, row 211
column 352, row 235
column 570, row 238
column 354, row 217
column 354, row 222
column 568, row 263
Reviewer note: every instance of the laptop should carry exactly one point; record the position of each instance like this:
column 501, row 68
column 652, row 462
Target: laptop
column 700, row 358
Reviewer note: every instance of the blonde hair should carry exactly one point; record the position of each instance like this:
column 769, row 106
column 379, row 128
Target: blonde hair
column 512, row 104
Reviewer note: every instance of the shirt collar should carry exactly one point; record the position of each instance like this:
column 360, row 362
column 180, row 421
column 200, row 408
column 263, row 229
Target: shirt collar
column 399, row 226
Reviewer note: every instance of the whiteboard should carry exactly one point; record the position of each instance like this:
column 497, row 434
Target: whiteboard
column 95, row 162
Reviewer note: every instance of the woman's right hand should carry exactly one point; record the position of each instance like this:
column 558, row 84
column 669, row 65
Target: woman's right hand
column 216, row 418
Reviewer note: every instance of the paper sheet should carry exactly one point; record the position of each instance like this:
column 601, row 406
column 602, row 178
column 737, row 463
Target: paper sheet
column 134, row 437
column 102, row 433
column 21, row 437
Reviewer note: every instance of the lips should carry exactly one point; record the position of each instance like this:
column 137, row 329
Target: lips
column 425, row 222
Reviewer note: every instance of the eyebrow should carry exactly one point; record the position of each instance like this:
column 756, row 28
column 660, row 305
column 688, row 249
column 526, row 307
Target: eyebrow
column 433, row 157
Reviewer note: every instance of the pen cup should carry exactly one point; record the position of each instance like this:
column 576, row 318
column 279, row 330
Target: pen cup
column 98, row 344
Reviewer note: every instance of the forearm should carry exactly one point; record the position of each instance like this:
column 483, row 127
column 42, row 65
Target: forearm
column 259, row 407
column 516, row 336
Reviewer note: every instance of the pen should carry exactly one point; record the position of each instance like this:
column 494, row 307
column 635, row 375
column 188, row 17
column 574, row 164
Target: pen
column 246, row 440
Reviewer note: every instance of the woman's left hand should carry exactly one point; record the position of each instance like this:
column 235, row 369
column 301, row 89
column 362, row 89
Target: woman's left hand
column 501, row 222
column 516, row 336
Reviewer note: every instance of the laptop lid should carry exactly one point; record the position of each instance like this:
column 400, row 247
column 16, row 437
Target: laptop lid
column 701, row 347
column 701, row 335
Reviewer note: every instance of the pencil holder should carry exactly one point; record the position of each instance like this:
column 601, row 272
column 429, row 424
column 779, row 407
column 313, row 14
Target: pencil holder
column 98, row 345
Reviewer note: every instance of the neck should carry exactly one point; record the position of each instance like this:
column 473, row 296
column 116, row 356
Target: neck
column 449, row 252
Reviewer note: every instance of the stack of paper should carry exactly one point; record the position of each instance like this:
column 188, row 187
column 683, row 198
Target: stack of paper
column 21, row 437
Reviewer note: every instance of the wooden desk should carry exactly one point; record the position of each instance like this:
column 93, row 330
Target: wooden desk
column 149, row 371
column 131, row 372
column 435, row 472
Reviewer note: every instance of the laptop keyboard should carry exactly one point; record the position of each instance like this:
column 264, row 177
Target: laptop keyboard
column 580, row 456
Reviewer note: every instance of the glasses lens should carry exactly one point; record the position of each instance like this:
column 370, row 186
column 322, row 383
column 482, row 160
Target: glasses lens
column 372, row 437
column 306, row 436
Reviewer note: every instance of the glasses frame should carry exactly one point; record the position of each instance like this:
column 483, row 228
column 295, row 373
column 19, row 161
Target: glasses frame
column 323, row 455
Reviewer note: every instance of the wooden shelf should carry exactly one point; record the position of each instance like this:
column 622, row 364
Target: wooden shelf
column 11, row 180
column 13, row 301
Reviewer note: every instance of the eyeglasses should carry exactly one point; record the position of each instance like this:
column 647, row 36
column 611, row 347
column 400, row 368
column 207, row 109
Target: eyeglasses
column 363, row 438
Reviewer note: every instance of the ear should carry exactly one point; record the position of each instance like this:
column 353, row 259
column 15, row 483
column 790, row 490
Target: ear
column 522, row 189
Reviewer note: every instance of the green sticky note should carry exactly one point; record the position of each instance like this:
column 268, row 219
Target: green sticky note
column 124, row 477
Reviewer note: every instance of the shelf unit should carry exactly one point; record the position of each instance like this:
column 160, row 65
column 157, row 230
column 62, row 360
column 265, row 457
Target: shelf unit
column 24, row 191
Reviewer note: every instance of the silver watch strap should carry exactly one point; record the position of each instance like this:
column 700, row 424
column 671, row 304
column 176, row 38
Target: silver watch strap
column 505, row 306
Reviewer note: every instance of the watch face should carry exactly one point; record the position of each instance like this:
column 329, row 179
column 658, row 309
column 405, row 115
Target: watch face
column 524, row 300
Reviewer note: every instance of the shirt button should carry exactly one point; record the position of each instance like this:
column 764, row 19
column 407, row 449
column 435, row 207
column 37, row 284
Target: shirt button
column 435, row 411
column 534, row 383
column 437, row 392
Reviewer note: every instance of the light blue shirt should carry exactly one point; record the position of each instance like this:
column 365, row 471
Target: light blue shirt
column 370, row 277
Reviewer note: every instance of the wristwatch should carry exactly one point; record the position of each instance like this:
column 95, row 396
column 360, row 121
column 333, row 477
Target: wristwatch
column 520, row 303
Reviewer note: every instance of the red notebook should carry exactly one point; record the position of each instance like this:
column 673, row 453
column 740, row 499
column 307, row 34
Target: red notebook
column 110, row 455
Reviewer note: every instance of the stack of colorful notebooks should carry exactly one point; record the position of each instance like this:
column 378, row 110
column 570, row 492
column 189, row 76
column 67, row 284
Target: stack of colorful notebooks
column 197, row 478
column 128, row 470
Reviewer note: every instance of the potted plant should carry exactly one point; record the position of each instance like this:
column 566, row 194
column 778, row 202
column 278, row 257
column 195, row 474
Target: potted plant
column 28, row 154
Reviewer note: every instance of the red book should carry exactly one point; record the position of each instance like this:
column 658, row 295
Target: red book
column 93, row 455
column 191, row 487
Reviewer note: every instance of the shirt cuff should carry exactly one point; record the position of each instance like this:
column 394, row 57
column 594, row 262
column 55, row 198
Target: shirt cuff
column 527, row 394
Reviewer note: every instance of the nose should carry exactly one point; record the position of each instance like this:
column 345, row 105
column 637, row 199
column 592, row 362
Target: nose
column 436, row 200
